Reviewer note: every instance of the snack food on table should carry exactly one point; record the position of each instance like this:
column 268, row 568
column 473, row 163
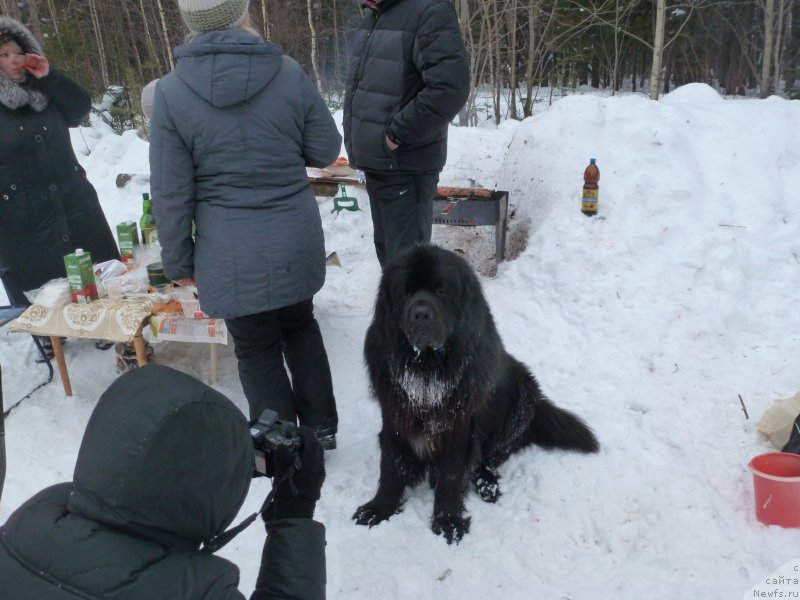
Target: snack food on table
column 173, row 307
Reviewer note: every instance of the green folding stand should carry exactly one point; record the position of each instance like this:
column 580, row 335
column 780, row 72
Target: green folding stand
column 343, row 201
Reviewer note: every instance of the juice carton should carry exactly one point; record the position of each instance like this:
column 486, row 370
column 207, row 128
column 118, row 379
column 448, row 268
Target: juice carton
column 80, row 274
column 128, row 237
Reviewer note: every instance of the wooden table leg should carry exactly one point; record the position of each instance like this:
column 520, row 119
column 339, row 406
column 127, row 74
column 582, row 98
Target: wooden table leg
column 141, row 350
column 139, row 345
column 58, row 352
column 214, row 373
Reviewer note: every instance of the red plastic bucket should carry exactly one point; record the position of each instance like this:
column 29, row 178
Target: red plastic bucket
column 776, row 482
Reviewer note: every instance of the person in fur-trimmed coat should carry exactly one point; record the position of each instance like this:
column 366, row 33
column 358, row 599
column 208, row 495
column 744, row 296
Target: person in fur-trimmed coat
column 47, row 206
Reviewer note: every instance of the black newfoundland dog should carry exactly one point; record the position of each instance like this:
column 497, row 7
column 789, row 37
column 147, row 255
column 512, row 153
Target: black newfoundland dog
column 454, row 403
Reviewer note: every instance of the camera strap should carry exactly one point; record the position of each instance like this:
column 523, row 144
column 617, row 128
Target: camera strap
column 218, row 541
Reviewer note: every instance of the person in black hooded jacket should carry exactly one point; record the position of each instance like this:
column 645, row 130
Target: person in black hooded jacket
column 164, row 466
column 408, row 78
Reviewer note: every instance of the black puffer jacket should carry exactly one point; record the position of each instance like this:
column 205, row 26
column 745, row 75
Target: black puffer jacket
column 47, row 206
column 165, row 464
column 408, row 74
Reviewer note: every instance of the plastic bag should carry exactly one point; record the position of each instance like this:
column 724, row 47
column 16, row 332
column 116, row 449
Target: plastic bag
column 108, row 269
column 778, row 420
column 52, row 294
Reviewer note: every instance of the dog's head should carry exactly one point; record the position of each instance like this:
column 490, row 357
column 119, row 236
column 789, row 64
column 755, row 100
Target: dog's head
column 428, row 294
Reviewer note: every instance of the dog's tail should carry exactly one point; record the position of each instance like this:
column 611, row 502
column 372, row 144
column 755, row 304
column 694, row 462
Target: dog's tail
column 554, row 427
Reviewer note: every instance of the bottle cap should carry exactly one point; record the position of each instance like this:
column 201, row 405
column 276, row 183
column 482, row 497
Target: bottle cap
column 78, row 251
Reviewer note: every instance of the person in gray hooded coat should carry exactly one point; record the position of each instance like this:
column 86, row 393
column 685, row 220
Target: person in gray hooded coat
column 233, row 128
column 164, row 466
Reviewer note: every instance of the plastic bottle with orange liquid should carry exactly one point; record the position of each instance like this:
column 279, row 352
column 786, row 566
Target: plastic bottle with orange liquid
column 591, row 189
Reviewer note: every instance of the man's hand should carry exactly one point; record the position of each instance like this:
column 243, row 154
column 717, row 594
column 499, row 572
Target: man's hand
column 36, row 65
column 391, row 145
column 187, row 282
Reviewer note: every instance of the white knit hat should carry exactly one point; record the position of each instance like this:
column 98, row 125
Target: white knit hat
column 210, row 15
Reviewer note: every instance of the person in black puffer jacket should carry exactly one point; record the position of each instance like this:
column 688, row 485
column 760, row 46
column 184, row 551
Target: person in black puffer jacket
column 164, row 466
column 408, row 78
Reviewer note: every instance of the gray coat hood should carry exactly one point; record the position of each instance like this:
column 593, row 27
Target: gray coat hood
column 164, row 457
column 211, row 65
column 21, row 34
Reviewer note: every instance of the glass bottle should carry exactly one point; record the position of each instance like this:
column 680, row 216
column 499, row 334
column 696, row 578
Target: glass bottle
column 147, row 223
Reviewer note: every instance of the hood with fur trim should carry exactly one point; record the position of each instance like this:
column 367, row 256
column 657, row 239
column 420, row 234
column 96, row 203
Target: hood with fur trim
column 16, row 95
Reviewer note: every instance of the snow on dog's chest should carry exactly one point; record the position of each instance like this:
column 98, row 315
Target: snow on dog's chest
column 424, row 390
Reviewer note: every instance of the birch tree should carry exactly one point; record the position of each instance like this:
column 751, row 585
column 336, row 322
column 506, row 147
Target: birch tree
column 167, row 45
column 313, row 45
column 658, row 49
column 100, row 45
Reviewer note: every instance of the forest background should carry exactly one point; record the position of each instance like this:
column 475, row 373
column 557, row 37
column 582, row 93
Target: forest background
column 521, row 51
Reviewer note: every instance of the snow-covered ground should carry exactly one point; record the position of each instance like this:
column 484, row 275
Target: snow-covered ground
column 649, row 321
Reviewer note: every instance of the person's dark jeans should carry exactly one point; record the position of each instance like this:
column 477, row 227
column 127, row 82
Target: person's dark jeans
column 402, row 210
column 262, row 342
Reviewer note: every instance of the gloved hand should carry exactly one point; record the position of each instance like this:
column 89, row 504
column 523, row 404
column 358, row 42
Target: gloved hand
column 297, row 496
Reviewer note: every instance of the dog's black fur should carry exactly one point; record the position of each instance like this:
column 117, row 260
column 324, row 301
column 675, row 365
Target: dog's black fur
column 455, row 404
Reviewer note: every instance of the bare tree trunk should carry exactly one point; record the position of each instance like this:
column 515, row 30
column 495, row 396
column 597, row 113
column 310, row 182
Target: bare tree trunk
column 511, row 23
column 313, row 45
column 147, row 36
column 658, row 49
column 265, row 19
column 494, row 40
column 779, row 41
column 101, row 49
column 167, row 45
column 11, row 9
column 336, row 63
column 615, row 68
column 54, row 17
column 33, row 11
column 769, row 37
column 533, row 15
column 135, row 47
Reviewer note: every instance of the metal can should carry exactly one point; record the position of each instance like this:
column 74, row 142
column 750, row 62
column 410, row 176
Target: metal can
column 155, row 274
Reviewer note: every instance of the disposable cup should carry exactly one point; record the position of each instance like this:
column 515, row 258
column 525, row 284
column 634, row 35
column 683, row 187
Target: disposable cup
column 114, row 286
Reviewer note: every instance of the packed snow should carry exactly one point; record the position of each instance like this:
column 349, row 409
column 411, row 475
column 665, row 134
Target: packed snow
column 650, row 321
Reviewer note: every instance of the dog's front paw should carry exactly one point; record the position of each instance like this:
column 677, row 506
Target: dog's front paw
column 452, row 527
column 486, row 484
column 372, row 513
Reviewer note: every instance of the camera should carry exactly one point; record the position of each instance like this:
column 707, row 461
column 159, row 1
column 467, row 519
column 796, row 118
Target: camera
column 274, row 439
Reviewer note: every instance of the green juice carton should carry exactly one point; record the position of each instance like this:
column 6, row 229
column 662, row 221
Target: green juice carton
column 80, row 274
column 128, row 237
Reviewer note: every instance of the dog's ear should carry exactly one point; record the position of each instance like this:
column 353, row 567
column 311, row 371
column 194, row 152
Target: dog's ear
column 385, row 316
column 468, row 294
